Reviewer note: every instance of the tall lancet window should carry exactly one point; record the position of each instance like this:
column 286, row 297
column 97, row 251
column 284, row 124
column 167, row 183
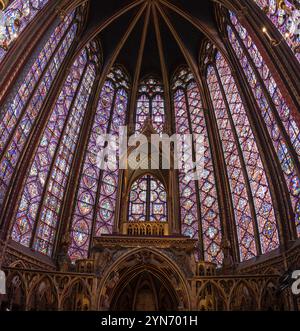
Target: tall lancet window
column 95, row 204
column 286, row 21
column 254, row 214
column 147, row 201
column 275, row 111
column 37, row 218
column 14, row 19
column 200, row 215
column 23, row 106
column 151, row 105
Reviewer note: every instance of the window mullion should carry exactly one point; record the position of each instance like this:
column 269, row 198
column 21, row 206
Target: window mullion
column 270, row 102
column 66, row 217
column 148, row 199
column 200, row 234
column 244, row 167
column 37, row 221
column 98, row 193
column 37, row 84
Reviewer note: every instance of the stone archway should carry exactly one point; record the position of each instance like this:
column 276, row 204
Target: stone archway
column 144, row 279
column 144, row 291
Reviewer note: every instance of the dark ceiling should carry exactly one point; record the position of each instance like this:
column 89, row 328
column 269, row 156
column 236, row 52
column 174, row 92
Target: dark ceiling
column 191, row 37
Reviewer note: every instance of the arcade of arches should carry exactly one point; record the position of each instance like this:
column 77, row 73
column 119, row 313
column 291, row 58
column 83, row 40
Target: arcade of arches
column 77, row 236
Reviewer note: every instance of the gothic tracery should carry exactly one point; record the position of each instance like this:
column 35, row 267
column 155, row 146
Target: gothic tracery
column 132, row 237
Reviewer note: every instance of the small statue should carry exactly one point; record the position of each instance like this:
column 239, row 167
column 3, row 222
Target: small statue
column 228, row 262
column 63, row 259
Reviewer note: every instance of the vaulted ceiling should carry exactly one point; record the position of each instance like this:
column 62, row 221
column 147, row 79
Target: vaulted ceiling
column 153, row 33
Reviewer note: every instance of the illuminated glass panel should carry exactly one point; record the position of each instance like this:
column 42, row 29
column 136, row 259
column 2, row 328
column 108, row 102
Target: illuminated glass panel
column 21, row 111
column 138, row 200
column 187, row 187
column 147, row 201
column 158, row 201
column 96, row 196
column 286, row 21
column 109, row 181
column 142, row 112
column 210, row 218
column 241, row 205
column 265, row 215
column 84, row 210
column 58, row 180
column 279, row 142
column 158, row 113
column 51, row 165
column 278, row 99
column 14, row 19
column 190, row 119
column 150, row 105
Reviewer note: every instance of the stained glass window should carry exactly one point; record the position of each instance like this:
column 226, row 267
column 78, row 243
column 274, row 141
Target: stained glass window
column 147, row 201
column 151, row 105
column 240, row 150
column 40, row 205
column 14, row 19
column 257, row 176
column 235, row 172
column 198, row 200
column 22, row 108
column 286, row 21
column 273, row 90
column 97, row 192
column 281, row 126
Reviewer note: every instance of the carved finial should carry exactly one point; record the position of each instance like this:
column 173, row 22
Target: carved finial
column 63, row 259
column 228, row 260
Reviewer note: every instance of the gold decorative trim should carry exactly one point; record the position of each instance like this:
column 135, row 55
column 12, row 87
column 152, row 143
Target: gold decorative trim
column 145, row 229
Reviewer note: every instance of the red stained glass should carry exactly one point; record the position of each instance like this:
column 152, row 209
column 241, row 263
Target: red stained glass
column 189, row 115
column 97, row 190
column 147, row 201
column 150, row 105
column 47, row 177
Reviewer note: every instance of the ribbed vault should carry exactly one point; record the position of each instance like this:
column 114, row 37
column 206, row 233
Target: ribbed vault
column 179, row 66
